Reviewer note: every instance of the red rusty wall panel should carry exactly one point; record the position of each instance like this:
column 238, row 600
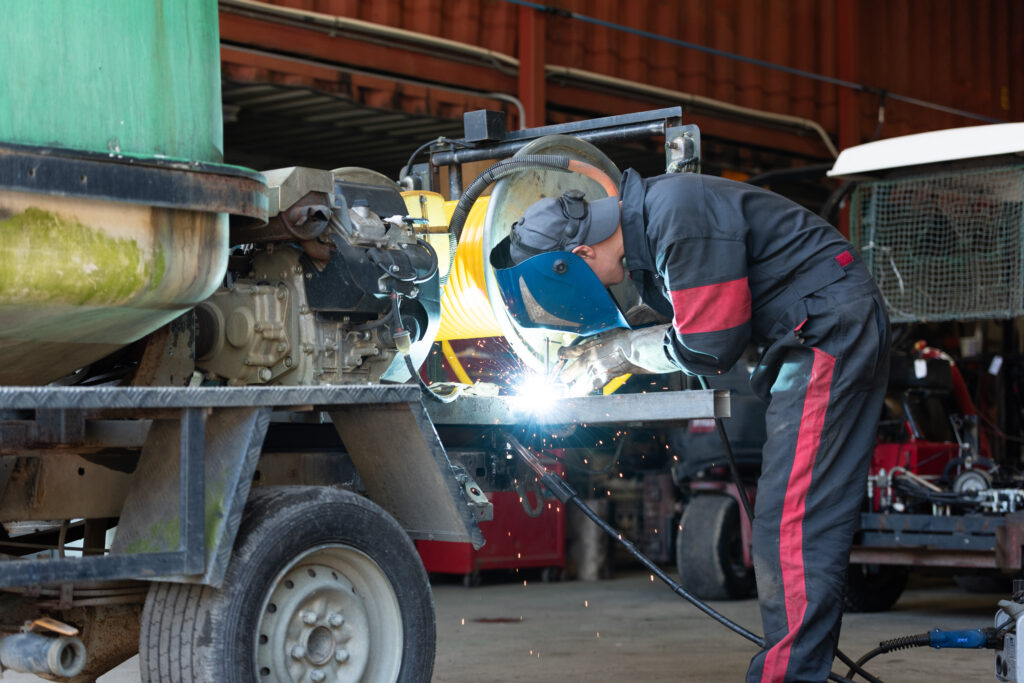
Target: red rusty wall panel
column 954, row 53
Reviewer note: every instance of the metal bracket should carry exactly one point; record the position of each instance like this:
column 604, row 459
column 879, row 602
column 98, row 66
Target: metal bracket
column 682, row 149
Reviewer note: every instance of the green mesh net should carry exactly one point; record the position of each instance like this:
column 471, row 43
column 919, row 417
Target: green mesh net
column 945, row 247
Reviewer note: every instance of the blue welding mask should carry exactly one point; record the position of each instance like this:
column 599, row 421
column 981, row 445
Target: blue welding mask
column 554, row 290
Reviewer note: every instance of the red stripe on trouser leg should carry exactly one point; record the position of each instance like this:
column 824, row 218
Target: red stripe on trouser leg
column 791, row 536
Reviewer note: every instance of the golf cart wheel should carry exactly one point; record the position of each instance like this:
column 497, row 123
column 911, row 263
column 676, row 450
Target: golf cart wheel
column 323, row 585
column 874, row 587
column 709, row 550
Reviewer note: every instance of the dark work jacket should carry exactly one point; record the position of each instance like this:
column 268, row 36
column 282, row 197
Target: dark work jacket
column 724, row 260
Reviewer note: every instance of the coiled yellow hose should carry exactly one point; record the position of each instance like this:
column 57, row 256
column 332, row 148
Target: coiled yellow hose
column 465, row 310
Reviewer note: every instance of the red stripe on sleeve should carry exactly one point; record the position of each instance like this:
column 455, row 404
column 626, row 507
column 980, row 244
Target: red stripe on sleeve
column 712, row 307
column 845, row 259
column 791, row 529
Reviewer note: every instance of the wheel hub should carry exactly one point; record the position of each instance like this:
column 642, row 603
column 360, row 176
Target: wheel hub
column 330, row 616
column 316, row 627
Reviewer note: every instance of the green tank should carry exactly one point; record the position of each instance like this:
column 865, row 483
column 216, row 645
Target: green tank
column 113, row 202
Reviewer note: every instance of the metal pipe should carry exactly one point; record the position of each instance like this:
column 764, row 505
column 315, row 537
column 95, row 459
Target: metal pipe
column 699, row 101
column 330, row 23
column 507, row 149
column 35, row 653
column 454, row 181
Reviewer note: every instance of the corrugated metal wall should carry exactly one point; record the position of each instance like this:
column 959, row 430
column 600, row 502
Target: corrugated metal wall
column 954, row 53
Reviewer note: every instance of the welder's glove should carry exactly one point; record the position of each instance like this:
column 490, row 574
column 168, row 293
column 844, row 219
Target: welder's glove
column 594, row 362
column 642, row 314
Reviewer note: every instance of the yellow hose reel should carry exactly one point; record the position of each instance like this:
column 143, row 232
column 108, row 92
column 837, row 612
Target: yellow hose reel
column 471, row 306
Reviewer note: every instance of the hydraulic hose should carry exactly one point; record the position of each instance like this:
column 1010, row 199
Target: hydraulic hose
column 515, row 165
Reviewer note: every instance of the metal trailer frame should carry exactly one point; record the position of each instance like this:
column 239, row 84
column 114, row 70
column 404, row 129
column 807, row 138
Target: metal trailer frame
column 919, row 540
column 202, row 444
column 181, row 514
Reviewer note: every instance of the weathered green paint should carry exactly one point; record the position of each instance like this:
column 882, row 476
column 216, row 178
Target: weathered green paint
column 49, row 259
column 120, row 76
column 165, row 535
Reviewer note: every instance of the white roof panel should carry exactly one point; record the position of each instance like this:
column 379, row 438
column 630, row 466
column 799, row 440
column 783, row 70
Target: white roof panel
column 928, row 148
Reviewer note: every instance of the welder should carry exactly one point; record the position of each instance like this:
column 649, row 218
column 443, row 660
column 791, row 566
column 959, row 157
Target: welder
column 729, row 263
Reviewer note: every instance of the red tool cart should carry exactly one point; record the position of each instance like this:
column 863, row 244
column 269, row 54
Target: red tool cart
column 528, row 531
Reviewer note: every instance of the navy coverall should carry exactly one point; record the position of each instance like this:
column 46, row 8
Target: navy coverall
column 731, row 263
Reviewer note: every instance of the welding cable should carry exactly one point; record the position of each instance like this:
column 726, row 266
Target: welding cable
column 566, row 495
column 970, row 639
column 720, row 426
column 515, row 165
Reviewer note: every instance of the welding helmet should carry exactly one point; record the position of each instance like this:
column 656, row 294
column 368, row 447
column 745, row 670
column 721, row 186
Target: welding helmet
column 542, row 283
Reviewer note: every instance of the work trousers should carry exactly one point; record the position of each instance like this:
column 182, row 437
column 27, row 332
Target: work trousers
column 824, row 379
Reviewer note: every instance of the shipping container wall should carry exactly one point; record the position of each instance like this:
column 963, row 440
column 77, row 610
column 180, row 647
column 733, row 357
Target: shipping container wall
column 952, row 53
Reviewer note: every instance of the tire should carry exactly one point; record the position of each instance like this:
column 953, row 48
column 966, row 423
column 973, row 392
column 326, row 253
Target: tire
column 874, row 587
column 321, row 581
column 709, row 550
column 984, row 583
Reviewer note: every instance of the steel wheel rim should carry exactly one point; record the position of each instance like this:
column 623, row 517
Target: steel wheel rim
column 330, row 615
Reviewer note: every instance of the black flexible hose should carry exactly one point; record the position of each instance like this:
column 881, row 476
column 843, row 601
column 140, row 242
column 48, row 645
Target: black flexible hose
column 495, row 173
column 392, row 316
column 431, row 394
column 902, row 643
column 433, row 261
column 720, row 426
column 566, row 494
column 855, row 668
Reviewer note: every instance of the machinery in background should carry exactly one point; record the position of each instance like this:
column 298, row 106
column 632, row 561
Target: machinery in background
column 938, row 217
column 527, row 532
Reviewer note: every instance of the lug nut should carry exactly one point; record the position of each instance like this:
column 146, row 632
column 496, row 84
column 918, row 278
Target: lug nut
column 298, row 652
column 335, row 619
column 341, row 655
column 317, row 676
column 308, row 618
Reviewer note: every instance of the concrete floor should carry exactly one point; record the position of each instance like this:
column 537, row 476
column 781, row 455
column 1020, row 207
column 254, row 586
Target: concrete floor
column 633, row 629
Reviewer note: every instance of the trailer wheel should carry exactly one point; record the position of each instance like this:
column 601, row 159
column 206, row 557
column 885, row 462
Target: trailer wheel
column 323, row 585
column 874, row 587
column 709, row 550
